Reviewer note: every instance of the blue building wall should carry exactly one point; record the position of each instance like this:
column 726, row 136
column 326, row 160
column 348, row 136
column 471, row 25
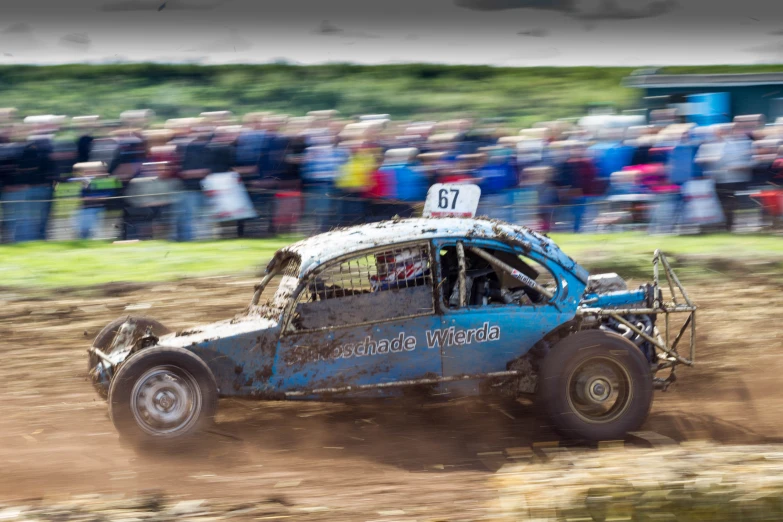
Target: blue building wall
column 754, row 99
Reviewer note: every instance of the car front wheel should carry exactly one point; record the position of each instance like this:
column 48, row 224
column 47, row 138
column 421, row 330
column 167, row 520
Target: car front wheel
column 595, row 386
column 162, row 394
column 105, row 337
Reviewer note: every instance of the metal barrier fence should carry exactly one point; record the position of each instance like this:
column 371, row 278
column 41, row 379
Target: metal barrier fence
column 307, row 213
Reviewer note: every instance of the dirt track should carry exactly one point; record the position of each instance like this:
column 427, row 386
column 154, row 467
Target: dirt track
column 428, row 461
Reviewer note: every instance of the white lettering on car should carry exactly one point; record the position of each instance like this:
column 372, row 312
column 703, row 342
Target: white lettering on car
column 436, row 338
column 441, row 338
column 369, row 346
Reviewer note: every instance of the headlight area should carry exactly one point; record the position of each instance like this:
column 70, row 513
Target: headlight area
column 102, row 373
column 100, row 378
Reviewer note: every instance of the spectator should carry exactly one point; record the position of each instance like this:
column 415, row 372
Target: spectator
column 748, row 125
column 97, row 186
column 168, row 159
column 221, row 158
column 610, row 154
column 125, row 154
column 540, row 179
column 14, row 192
column 221, row 149
column 250, row 144
column 496, row 175
column 411, row 181
column 431, row 166
column 380, row 194
column 764, row 154
column 681, row 165
column 577, row 183
column 148, row 200
column 588, row 184
column 641, row 148
column 702, row 207
column 728, row 163
column 189, row 222
column 777, row 168
column 270, row 171
column 83, row 148
column 322, row 163
column 37, row 172
column 767, row 178
column 353, row 182
column 530, row 152
column 287, row 201
column 63, row 157
column 458, row 168
column 87, row 126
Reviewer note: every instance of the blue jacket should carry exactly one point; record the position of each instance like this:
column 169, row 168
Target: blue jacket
column 611, row 157
column 410, row 183
column 249, row 147
column 497, row 176
column 681, row 164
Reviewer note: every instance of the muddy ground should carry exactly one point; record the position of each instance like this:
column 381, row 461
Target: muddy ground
column 382, row 460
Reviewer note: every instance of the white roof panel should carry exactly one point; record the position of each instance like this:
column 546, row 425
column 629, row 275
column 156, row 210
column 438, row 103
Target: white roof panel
column 319, row 249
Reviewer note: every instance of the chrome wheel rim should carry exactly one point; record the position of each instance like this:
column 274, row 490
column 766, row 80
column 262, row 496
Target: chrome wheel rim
column 599, row 390
column 166, row 401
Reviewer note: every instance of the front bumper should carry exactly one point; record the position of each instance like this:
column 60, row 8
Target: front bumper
column 107, row 363
column 103, row 371
column 618, row 305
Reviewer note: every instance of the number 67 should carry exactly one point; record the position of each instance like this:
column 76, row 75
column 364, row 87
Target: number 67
column 443, row 200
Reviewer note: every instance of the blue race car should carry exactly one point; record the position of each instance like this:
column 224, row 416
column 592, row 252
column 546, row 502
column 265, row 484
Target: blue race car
column 442, row 306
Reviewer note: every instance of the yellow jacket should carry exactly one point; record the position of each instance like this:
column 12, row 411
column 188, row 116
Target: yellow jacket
column 356, row 174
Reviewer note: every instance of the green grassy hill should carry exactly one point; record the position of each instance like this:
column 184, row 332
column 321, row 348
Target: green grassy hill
column 420, row 91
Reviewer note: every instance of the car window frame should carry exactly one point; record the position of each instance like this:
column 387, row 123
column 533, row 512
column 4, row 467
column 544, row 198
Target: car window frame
column 442, row 299
column 288, row 313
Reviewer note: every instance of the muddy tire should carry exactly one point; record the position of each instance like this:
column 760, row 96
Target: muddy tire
column 106, row 336
column 162, row 396
column 595, row 386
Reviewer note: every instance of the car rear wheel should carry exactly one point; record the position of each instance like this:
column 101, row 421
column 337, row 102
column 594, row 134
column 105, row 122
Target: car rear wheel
column 162, row 394
column 596, row 385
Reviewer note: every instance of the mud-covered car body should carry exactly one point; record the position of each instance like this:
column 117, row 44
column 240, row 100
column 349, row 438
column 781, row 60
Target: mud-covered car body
column 377, row 342
column 441, row 306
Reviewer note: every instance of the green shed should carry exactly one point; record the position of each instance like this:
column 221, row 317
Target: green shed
column 711, row 98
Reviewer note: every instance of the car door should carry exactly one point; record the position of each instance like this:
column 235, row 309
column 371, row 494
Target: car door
column 486, row 333
column 361, row 321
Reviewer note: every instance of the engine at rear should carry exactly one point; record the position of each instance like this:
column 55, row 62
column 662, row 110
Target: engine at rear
column 610, row 292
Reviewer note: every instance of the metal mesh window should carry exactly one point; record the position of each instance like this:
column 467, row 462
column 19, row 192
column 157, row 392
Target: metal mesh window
column 386, row 284
column 382, row 270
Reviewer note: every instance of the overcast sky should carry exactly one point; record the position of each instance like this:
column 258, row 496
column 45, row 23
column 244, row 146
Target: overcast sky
column 495, row 32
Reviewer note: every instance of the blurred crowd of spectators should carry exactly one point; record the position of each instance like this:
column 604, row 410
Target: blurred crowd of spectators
column 319, row 171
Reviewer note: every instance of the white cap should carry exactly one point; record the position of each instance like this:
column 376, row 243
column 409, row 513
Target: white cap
column 401, row 154
column 137, row 114
column 46, row 119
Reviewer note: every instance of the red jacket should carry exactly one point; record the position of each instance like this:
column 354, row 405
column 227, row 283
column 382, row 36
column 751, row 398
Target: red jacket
column 381, row 184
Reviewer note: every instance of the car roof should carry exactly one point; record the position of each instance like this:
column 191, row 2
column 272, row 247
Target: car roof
column 316, row 250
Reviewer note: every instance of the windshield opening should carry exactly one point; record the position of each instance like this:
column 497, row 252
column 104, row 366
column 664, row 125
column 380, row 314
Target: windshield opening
column 280, row 286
